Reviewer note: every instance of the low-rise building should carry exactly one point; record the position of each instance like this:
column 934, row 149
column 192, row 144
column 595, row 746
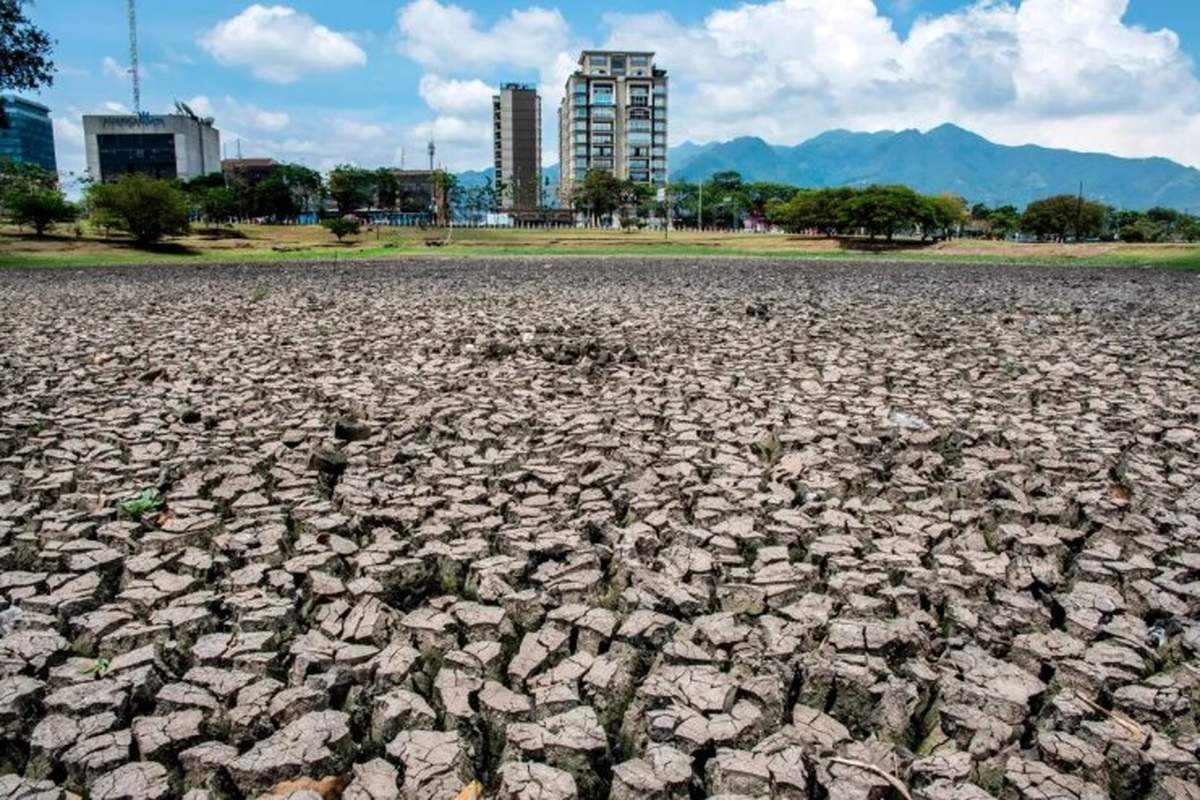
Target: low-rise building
column 251, row 170
column 29, row 137
column 158, row 145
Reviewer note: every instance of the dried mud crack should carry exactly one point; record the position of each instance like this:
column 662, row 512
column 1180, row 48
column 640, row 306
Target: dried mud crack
column 599, row 529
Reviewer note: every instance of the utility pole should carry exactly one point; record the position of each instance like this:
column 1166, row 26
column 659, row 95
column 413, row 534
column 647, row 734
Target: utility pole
column 700, row 216
column 1079, row 215
column 134, row 71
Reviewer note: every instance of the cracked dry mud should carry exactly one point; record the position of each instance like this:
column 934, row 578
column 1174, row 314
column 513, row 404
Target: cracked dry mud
column 600, row 529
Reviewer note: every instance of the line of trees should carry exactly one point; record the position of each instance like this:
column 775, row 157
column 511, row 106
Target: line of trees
column 725, row 201
column 286, row 192
column 148, row 209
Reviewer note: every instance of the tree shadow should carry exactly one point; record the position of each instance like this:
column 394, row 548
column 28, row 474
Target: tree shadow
column 159, row 248
column 220, row 233
column 859, row 245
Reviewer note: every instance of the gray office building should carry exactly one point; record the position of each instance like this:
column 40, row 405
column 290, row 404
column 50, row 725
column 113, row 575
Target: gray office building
column 29, row 137
column 161, row 146
column 613, row 117
column 517, row 124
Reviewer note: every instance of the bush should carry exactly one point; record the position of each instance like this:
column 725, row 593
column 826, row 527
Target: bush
column 343, row 227
column 38, row 207
column 145, row 208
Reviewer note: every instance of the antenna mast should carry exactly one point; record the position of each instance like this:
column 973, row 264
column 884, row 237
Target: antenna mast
column 134, row 72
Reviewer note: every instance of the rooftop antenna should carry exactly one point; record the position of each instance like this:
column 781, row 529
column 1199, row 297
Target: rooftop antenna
column 432, row 153
column 239, row 148
column 134, row 72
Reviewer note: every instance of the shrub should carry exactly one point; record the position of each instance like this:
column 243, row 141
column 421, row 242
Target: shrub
column 145, row 208
column 343, row 227
column 38, row 207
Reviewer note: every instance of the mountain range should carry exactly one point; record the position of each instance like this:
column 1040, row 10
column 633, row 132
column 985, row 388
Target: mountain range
column 944, row 159
column 947, row 159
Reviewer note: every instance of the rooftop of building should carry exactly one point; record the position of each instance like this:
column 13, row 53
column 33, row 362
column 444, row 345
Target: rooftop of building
column 248, row 163
column 587, row 53
column 144, row 117
column 517, row 87
column 21, row 101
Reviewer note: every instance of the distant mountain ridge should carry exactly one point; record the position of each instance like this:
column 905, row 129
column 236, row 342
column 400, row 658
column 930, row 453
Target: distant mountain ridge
column 947, row 159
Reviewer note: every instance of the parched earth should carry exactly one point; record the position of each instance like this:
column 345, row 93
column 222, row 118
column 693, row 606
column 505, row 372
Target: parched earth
column 600, row 529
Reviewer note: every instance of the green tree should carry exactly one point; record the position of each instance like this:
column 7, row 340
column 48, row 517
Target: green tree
column 351, row 188
column 820, row 210
column 1062, row 216
column 145, row 208
column 759, row 195
column 944, row 213
column 274, row 198
column 1004, row 221
column 23, row 175
column 883, row 210
column 220, row 204
column 343, row 227
column 25, row 63
column 601, row 194
column 39, row 207
column 387, row 188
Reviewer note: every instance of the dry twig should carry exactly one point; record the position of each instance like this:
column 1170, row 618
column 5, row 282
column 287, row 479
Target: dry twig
column 896, row 783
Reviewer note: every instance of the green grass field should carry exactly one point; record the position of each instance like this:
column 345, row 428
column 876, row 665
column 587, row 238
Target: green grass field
column 259, row 243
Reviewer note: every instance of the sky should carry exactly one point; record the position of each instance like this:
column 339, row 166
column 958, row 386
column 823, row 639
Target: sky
column 369, row 82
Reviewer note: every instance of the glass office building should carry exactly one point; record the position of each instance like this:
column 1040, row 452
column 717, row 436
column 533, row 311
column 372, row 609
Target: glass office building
column 29, row 137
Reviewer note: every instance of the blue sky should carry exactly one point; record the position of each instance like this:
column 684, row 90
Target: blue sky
column 369, row 80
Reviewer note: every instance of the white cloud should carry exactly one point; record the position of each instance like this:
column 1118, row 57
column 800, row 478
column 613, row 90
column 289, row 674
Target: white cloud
column 230, row 112
column 1058, row 72
column 358, row 131
column 447, row 37
column 462, row 143
column 455, row 96
column 280, row 44
column 450, row 40
column 111, row 68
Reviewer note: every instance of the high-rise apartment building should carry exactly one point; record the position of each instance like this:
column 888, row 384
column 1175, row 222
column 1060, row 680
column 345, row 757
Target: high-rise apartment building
column 29, row 137
column 614, row 118
column 517, row 123
column 161, row 146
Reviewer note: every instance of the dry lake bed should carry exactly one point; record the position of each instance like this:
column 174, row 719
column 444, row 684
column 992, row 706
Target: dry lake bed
column 649, row 530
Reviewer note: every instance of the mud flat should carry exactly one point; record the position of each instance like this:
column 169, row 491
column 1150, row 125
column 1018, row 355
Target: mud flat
column 600, row 529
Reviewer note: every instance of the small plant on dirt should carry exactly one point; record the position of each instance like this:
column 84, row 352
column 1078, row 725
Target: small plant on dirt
column 769, row 449
column 146, row 502
column 343, row 227
column 260, row 293
column 98, row 668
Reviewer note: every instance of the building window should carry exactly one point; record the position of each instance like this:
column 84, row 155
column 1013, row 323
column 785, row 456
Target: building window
column 602, row 127
column 639, row 61
column 150, row 154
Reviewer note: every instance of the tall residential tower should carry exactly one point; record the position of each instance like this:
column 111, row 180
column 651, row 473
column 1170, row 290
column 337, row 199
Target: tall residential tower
column 517, row 128
column 613, row 118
